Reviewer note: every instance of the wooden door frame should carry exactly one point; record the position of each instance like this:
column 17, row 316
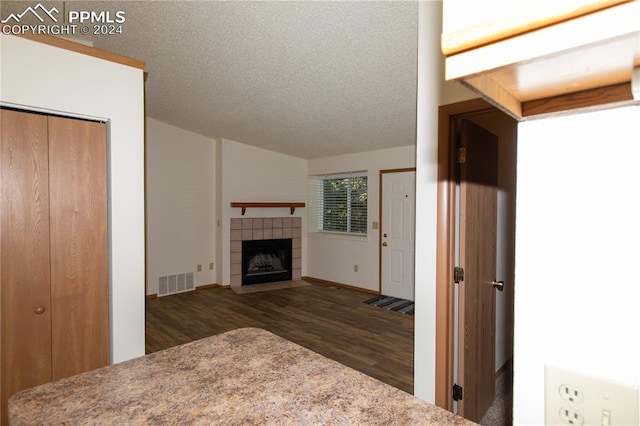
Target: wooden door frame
column 445, row 244
column 381, row 175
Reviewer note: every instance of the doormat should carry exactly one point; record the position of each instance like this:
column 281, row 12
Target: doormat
column 393, row 304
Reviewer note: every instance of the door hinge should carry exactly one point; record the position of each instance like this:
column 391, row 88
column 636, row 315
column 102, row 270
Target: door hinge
column 457, row 392
column 458, row 274
column 461, row 155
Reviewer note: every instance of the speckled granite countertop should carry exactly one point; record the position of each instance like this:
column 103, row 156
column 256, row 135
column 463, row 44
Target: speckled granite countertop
column 246, row 376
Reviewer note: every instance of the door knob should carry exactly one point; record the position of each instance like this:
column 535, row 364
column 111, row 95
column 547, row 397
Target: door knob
column 39, row 310
column 498, row 285
column 384, row 244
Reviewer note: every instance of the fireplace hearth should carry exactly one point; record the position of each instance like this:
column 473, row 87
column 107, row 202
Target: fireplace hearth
column 265, row 261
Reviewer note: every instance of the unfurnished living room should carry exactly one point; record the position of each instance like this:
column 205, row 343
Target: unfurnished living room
column 310, row 212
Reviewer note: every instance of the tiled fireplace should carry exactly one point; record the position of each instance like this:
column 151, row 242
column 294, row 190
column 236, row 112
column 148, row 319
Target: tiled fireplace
column 265, row 228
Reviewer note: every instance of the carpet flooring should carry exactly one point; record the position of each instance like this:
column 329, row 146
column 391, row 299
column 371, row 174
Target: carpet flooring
column 501, row 411
column 393, row 304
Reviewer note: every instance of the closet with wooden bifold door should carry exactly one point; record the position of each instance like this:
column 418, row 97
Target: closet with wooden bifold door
column 54, row 319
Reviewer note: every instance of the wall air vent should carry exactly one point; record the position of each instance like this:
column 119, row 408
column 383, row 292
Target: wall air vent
column 172, row 284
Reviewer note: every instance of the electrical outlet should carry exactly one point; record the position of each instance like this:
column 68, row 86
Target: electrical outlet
column 199, row 268
column 571, row 416
column 571, row 394
column 573, row 398
column 355, row 268
column 211, row 265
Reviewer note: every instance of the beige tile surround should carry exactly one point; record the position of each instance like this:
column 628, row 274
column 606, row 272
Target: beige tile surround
column 265, row 228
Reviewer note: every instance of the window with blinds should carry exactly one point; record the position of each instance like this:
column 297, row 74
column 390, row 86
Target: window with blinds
column 338, row 203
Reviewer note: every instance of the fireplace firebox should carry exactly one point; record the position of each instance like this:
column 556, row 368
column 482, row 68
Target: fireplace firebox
column 265, row 261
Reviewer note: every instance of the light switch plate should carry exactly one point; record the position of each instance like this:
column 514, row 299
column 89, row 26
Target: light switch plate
column 573, row 398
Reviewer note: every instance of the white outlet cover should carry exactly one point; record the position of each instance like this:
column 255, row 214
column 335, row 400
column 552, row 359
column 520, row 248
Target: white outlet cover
column 596, row 401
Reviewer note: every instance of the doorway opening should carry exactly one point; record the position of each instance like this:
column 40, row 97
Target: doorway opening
column 450, row 368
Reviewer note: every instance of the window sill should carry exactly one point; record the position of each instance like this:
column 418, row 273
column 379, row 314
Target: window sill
column 339, row 236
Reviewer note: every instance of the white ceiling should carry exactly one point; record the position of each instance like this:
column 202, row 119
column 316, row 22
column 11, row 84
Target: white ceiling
column 309, row 79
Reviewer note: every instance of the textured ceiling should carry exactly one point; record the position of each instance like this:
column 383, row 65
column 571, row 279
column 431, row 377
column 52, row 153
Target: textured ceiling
column 309, row 79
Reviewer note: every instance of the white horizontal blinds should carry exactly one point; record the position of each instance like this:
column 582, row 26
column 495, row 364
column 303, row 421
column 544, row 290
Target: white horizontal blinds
column 314, row 204
column 358, row 196
column 340, row 202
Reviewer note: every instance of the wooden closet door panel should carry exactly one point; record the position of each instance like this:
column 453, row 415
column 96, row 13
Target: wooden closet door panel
column 24, row 255
column 79, row 253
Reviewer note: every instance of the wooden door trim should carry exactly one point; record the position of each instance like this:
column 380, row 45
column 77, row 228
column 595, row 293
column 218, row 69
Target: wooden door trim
column 381, row 174
column 445, row 244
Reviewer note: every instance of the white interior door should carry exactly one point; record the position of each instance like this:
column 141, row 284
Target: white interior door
column 397, row 236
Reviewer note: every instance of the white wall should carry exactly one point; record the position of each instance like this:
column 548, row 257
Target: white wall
column 577, row 233
column 253, row 174
column 180, row 203
column 218, row 202
column 452, row 91
column 42, row 76
column 429, row 83
column 331, row 257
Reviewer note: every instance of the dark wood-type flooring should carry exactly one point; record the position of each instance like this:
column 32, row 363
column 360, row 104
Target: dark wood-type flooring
column 329, row 320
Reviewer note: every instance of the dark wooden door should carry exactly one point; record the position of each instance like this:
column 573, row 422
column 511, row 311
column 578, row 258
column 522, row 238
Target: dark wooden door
column 79, row 267
column 24, row 254
column 478, row 234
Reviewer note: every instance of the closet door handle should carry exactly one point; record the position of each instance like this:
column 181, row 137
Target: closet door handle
column 498, row 285
column 39, row 310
